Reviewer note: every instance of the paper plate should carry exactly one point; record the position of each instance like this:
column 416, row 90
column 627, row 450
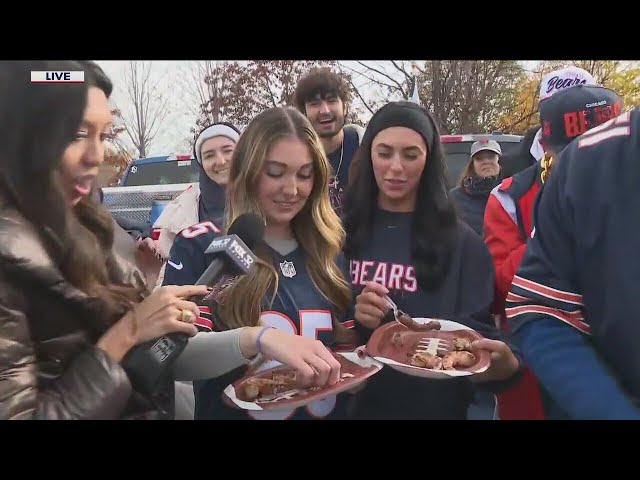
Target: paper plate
column 356, row 368
column 396, row 354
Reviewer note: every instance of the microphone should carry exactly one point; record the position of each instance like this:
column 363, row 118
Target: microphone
column 147, row 363
column 232, row 252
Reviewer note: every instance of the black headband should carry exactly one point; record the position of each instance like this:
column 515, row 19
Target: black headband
column 402, row 114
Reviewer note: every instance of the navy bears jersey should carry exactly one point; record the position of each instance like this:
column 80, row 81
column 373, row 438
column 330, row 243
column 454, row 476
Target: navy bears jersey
column 298, row 308
column 465, row 296
column 581, row 266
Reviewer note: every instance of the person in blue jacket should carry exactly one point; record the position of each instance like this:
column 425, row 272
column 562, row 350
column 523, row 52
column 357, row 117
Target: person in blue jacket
column 573, row 304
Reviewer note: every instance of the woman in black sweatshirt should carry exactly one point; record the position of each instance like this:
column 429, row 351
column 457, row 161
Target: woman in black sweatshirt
column 403, row 238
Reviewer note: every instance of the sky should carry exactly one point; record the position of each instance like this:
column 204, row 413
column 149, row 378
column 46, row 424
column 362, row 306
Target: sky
column 174, row 132
column 173, row 135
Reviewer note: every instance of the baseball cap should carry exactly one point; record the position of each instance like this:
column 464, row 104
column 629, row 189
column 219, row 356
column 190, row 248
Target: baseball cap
column 573, row 111
column 490, row 145
column 559, row 80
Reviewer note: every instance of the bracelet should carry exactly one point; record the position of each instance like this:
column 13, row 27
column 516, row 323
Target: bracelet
column 258, row 343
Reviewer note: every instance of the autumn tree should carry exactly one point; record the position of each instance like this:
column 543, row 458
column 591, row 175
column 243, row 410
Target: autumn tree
column 626, row 82
column 148, row 106
column 463, row 96
column 264, row 84
column 237, row 92
column 621, row 77
column 212, row 92
column 376, row 83
column 523, row 113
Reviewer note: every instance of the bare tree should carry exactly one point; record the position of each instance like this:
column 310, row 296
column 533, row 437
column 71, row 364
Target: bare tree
column 214, row 91
column 148, row 106
column 463, row 96
column 206, row 84
column 375, row 83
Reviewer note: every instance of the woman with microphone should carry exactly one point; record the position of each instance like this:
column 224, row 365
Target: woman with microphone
column 298, row 287
column 71, row 308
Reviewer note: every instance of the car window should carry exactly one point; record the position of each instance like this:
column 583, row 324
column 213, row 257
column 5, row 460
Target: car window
column 163, row 173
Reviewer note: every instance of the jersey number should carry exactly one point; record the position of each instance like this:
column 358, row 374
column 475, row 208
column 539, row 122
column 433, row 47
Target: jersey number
column 616, row 127
column 312, row 322
column 199, row 229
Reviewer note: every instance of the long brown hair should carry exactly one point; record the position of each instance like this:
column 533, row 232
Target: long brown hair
column 468, row 171
column 317, row 227
column 44, row 121
column 434, row 228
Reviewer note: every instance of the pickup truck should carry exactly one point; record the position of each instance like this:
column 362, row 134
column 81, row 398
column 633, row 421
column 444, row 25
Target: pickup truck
column 147, row 185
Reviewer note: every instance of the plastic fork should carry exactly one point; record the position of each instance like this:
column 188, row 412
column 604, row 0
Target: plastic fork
column 396, row 311
column 432, row 345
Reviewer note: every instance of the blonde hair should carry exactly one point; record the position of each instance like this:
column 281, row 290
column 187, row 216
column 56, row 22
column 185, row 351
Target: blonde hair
column 317, row 227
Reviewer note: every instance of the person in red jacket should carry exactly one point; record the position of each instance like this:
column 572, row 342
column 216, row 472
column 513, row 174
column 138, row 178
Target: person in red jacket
column 508, row 219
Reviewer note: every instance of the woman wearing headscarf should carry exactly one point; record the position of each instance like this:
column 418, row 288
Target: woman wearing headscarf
column 213, row 149
column 404, row 240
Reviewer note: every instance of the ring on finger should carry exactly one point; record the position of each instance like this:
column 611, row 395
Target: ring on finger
column 187, row 316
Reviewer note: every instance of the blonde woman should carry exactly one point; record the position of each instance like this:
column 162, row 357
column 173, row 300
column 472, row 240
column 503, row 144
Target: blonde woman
column 279, row 171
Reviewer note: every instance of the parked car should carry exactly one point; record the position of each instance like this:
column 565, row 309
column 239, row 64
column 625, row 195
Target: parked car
column 147, row 185
column 457, row 149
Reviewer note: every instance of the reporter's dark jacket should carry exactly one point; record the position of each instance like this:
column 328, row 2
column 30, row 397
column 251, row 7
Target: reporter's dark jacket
column 50, row 367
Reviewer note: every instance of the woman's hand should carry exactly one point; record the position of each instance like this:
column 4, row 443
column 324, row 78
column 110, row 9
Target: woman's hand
column 504, row 363
column 371, row 305
column 314, row 363
column 164, row 311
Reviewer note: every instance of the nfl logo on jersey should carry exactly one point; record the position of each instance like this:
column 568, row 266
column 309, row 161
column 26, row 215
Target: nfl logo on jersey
column 288, row 269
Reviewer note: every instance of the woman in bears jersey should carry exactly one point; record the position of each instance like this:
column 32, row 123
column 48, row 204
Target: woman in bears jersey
column 280, row 172
column 404, row 240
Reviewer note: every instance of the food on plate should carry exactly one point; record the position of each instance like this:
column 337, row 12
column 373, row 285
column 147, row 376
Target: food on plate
column 409, row 322
column 459, row 359
column 448, row 350
column 277, row 386
column 462, row 344
column 426, row 360
column 265, row 387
